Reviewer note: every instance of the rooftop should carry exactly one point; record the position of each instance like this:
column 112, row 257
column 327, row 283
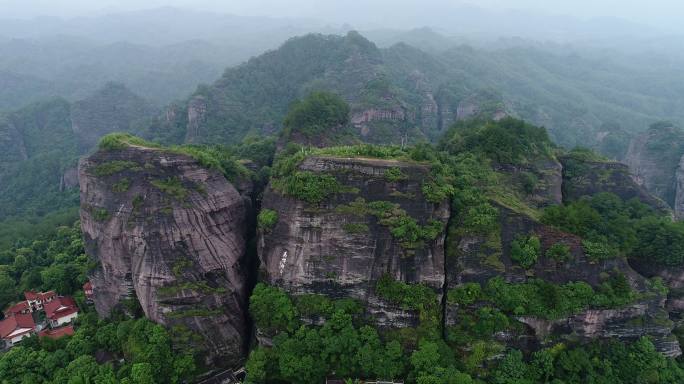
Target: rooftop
column 42, row 296
column 16, row 324
column 58, row 332
column 60, row 307
column 19, row 307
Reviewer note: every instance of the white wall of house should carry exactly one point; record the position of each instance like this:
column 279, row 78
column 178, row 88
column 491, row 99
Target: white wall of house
column 64, row 320
column 15, row 339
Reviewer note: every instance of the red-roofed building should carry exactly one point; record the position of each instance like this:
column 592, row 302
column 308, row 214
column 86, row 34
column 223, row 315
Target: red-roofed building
column 88, row 291
column 61, row 310
column 14, row 328
column 37, row 300
column 57, row 333
column 20, row 308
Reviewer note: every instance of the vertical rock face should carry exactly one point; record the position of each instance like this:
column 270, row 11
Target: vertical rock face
column 337, row 248
column 679, row 191
column 173, row 233
column 586, row 178
column 473, row 257
column 654, row 158
column 197, row 108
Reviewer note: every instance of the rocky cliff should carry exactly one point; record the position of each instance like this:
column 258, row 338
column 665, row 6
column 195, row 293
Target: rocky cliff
column 344, row 245
column 162, row 228
column 477, row 259
column 587, row 177
column 654, row 159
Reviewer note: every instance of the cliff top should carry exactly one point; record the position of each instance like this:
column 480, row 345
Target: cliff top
column 216, row 158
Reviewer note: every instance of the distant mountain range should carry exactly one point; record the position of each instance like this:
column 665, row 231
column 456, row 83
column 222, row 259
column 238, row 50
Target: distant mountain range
column 583, row 99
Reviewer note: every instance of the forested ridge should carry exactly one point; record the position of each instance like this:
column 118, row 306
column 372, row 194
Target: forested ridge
column 536, row 237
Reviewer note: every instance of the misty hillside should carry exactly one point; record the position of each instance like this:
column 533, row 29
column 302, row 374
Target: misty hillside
column 397, row 94
column 583, row 99
column 307, row 192
column 162, row 54
column 72, row 68
column 40, row 145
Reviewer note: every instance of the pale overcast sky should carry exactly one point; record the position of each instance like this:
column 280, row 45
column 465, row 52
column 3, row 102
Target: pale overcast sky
column 656, row 13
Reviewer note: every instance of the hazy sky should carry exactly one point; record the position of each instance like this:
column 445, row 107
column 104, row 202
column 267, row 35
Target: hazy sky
column 653, row 12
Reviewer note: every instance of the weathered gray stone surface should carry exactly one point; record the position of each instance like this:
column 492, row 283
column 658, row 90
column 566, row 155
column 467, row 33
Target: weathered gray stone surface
column 309, row 249
column 182, row 253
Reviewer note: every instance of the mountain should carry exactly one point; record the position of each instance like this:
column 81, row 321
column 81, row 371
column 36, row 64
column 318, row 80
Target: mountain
column 157, row 26
column 19, row 90
column 493, row 246
column 403, row 93
column 41, row 143
column 400, row 95
column 113, row 108
column 73, row 68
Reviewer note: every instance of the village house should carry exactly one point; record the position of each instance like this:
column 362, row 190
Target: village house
column 16, row 327
column 57, row 333
column 20, row 322
column 36, row 300
column 60, row 311
column 20, row 308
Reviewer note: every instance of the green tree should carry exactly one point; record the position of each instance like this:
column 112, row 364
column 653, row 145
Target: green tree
column 316, row 113
column 525, row 251
column 142, row 373
column 272, row 309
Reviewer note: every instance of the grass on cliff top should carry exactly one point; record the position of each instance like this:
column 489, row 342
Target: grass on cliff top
column 587, row 155
column 287, row 162
column 315, row 187
column 215, row 157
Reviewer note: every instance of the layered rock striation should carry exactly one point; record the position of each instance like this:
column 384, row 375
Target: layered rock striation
column 340, row 246
column 165, row 230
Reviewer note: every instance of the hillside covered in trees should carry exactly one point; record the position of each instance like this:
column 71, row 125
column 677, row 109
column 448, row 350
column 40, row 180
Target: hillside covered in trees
column 337, row 209
column 416, row 262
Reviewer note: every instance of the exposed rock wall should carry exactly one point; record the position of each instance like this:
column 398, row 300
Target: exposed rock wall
column 197, row 108
column 654, row 158
column 312, row 250
column 478, row 258
column 679, row 191
column 173, row 233
column 343, row 253
column 586, row 178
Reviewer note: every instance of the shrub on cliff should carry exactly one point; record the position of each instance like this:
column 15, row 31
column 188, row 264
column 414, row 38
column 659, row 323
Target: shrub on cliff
column 308, row 186
column 465, row 294
column 316, row 113
column 525, row 251
column 508, row 141
column 272, row 309
column 267, row 219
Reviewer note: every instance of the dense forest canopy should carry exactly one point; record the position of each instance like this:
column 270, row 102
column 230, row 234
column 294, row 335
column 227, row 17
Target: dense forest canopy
column 492, row 136
column 347, row 345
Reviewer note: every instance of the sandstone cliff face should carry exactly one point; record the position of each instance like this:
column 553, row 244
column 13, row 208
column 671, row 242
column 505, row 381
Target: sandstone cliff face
column 586, row 178
column 336, row 249
column 197, row 108
column 654, row 159
column 679, row 191
column 172, row 233
column 474, row 258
